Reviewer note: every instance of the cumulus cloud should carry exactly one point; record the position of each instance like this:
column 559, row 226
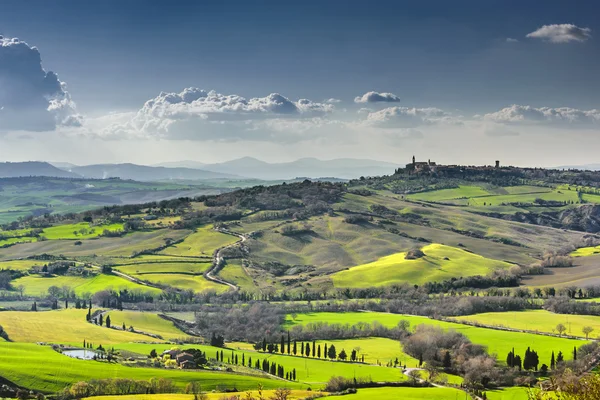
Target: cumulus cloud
column 561, row 33
column 376, row 97
column 31, row 99
column 332, row 101
column 405, row 117
column 518, row 114
column 196, row 114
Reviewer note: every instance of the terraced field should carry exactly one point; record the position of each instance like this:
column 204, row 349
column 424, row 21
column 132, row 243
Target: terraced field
column 439, row 263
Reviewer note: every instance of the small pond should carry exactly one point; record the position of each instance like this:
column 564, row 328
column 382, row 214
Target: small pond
column 80, row 353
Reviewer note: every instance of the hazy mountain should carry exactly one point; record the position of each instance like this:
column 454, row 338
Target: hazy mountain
column 583, row 167
column 33, row 168
column 181, row 164
column 146, row 173
column 345, row 168
column 62, row 165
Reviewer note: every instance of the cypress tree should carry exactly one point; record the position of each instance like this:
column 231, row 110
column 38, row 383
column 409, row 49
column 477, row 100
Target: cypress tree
column 314, row 349
column 264, row 346
column 574, row 353
column 307, row 349
column 325, row 353
column 559, row 357
column 552, row 361
column 319, row 351
column 302, row 348
column 288, row 343
column 282, row 348
column 295, row 348
column 108, row 321
column 243, row 360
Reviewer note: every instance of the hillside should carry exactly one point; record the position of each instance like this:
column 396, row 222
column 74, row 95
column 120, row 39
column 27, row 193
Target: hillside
column 33, row 168
column 145, row 173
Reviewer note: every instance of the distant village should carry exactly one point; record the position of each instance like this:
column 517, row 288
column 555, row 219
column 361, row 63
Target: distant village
column 424, row 167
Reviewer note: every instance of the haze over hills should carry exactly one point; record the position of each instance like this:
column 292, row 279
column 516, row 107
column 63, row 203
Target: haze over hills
column 32, row 168
column 146, row 173
column 344, row 168
column 583, row 167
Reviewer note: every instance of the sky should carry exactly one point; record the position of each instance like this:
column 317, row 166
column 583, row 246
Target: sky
column 463, row 82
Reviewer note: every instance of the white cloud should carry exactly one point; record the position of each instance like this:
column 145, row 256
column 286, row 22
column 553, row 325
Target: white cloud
column 31, row 99
column 511, row 40
column 376, row 97
column 561, row 33
column 196, row 114
column 332, row 101
column 405, row 117
column 544, row 115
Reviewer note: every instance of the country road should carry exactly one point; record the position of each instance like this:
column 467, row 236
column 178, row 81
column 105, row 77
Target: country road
column 218, row 258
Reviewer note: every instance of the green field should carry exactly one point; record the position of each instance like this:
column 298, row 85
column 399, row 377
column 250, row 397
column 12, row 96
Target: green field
column 203, row 242
column 439, row 263
column 41, row 368
column 497, row 342
column 450, row 194
column 72, row 231
column 197, row 283
column 294, row 395
column 373, row 349
column 405, row 393
column 234, row 272
column 67, row 326
column 36, row 285
column 537, row 320
column 146, row 322
column 21, row 265
column 585, row 251
column 308, row 370
column 164, row 267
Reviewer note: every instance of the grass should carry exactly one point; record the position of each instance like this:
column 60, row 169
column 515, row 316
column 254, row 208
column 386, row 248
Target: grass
column 439, row 263
column 450, row 194
column 41, row 368
column 294, row 395
column 373, row 349
column 21, row 265
column 203, row 242
column 71, row 231
column 308, row 370
column 164, row 267
column 146, row 322
column 537, row 320
column 512, row 393
column 234, row 272
column 585, row 251
column 36, row 285
column 405, row 393
column 496, row 341
column 63, row 326
column 197, row 283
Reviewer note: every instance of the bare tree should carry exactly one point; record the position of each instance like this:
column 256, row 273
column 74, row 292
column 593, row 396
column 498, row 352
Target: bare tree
column 587, row 330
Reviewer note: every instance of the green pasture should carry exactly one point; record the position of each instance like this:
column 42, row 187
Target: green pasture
column 449, row 194
column 183, row 267
column 197, row 283
column 36, row 285
column 375, row 350
column 145, row 322
column 585, row 251
column 21, row 265
column 68, row 326
column 405, row 393
column 496, row 341
column 203, row 242
column 82, row 230
column 439, row 263
column 537, row 320
column 309, row 370
column 41, row 368
column 234, row 272
column 294, row 395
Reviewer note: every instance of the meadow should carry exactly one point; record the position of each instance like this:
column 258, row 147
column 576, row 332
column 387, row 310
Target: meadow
column 585, row 251
column 439, row 263
column 197, row 283
column 37, row 285
column 311, row 371
column 174, row 266
column 70, row 326
column 496, row 341
column 294, row 395
column 41, row 368
column 405, row 393
column 203, row 242
column 537, row 320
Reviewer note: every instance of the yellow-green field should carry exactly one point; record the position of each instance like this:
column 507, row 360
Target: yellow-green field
column 294, row 395
column 21, row 265
column 36, row 285
column 203, row 242
column 197, row 283
column 439, row 263
column 234, row 272
column 82, row 230
column 537, row 320
column 145, row 322
column 164, row 267
column 65, row 326
column 585, row 251
column 373, row 349
column 497, row 341
column 41, row 368
column 450, row 194
column 405, row 393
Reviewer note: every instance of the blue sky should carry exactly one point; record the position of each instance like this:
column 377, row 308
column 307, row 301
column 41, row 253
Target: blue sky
column 467, row 59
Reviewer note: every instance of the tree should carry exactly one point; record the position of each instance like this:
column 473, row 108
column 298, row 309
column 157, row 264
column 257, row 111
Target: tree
column 560, row 328
column 325, row 351
column 510, row 358
column 108, row 321
column 414, row 375
column 352, row 355
column 288, row 343
column 34, row 306
column 447, row 362
column 281, row 394
column 307, row 349
column 295, row 350
column 559, row 358
column 574, row 353
column 331, row 353
column 282, row 348
column 319, row 351
column 153, row 353
column 587, row 330
column 343, row 356
column 517, row 362
column 432, row 371
column 302, row 349
column 552, row 361
column 314, row 349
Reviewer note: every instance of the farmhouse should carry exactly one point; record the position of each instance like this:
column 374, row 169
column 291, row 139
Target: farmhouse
column 184, row 358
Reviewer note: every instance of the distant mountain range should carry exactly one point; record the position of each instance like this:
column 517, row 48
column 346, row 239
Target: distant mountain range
column 583, row 167
column 238, row 169
column 344, row 168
